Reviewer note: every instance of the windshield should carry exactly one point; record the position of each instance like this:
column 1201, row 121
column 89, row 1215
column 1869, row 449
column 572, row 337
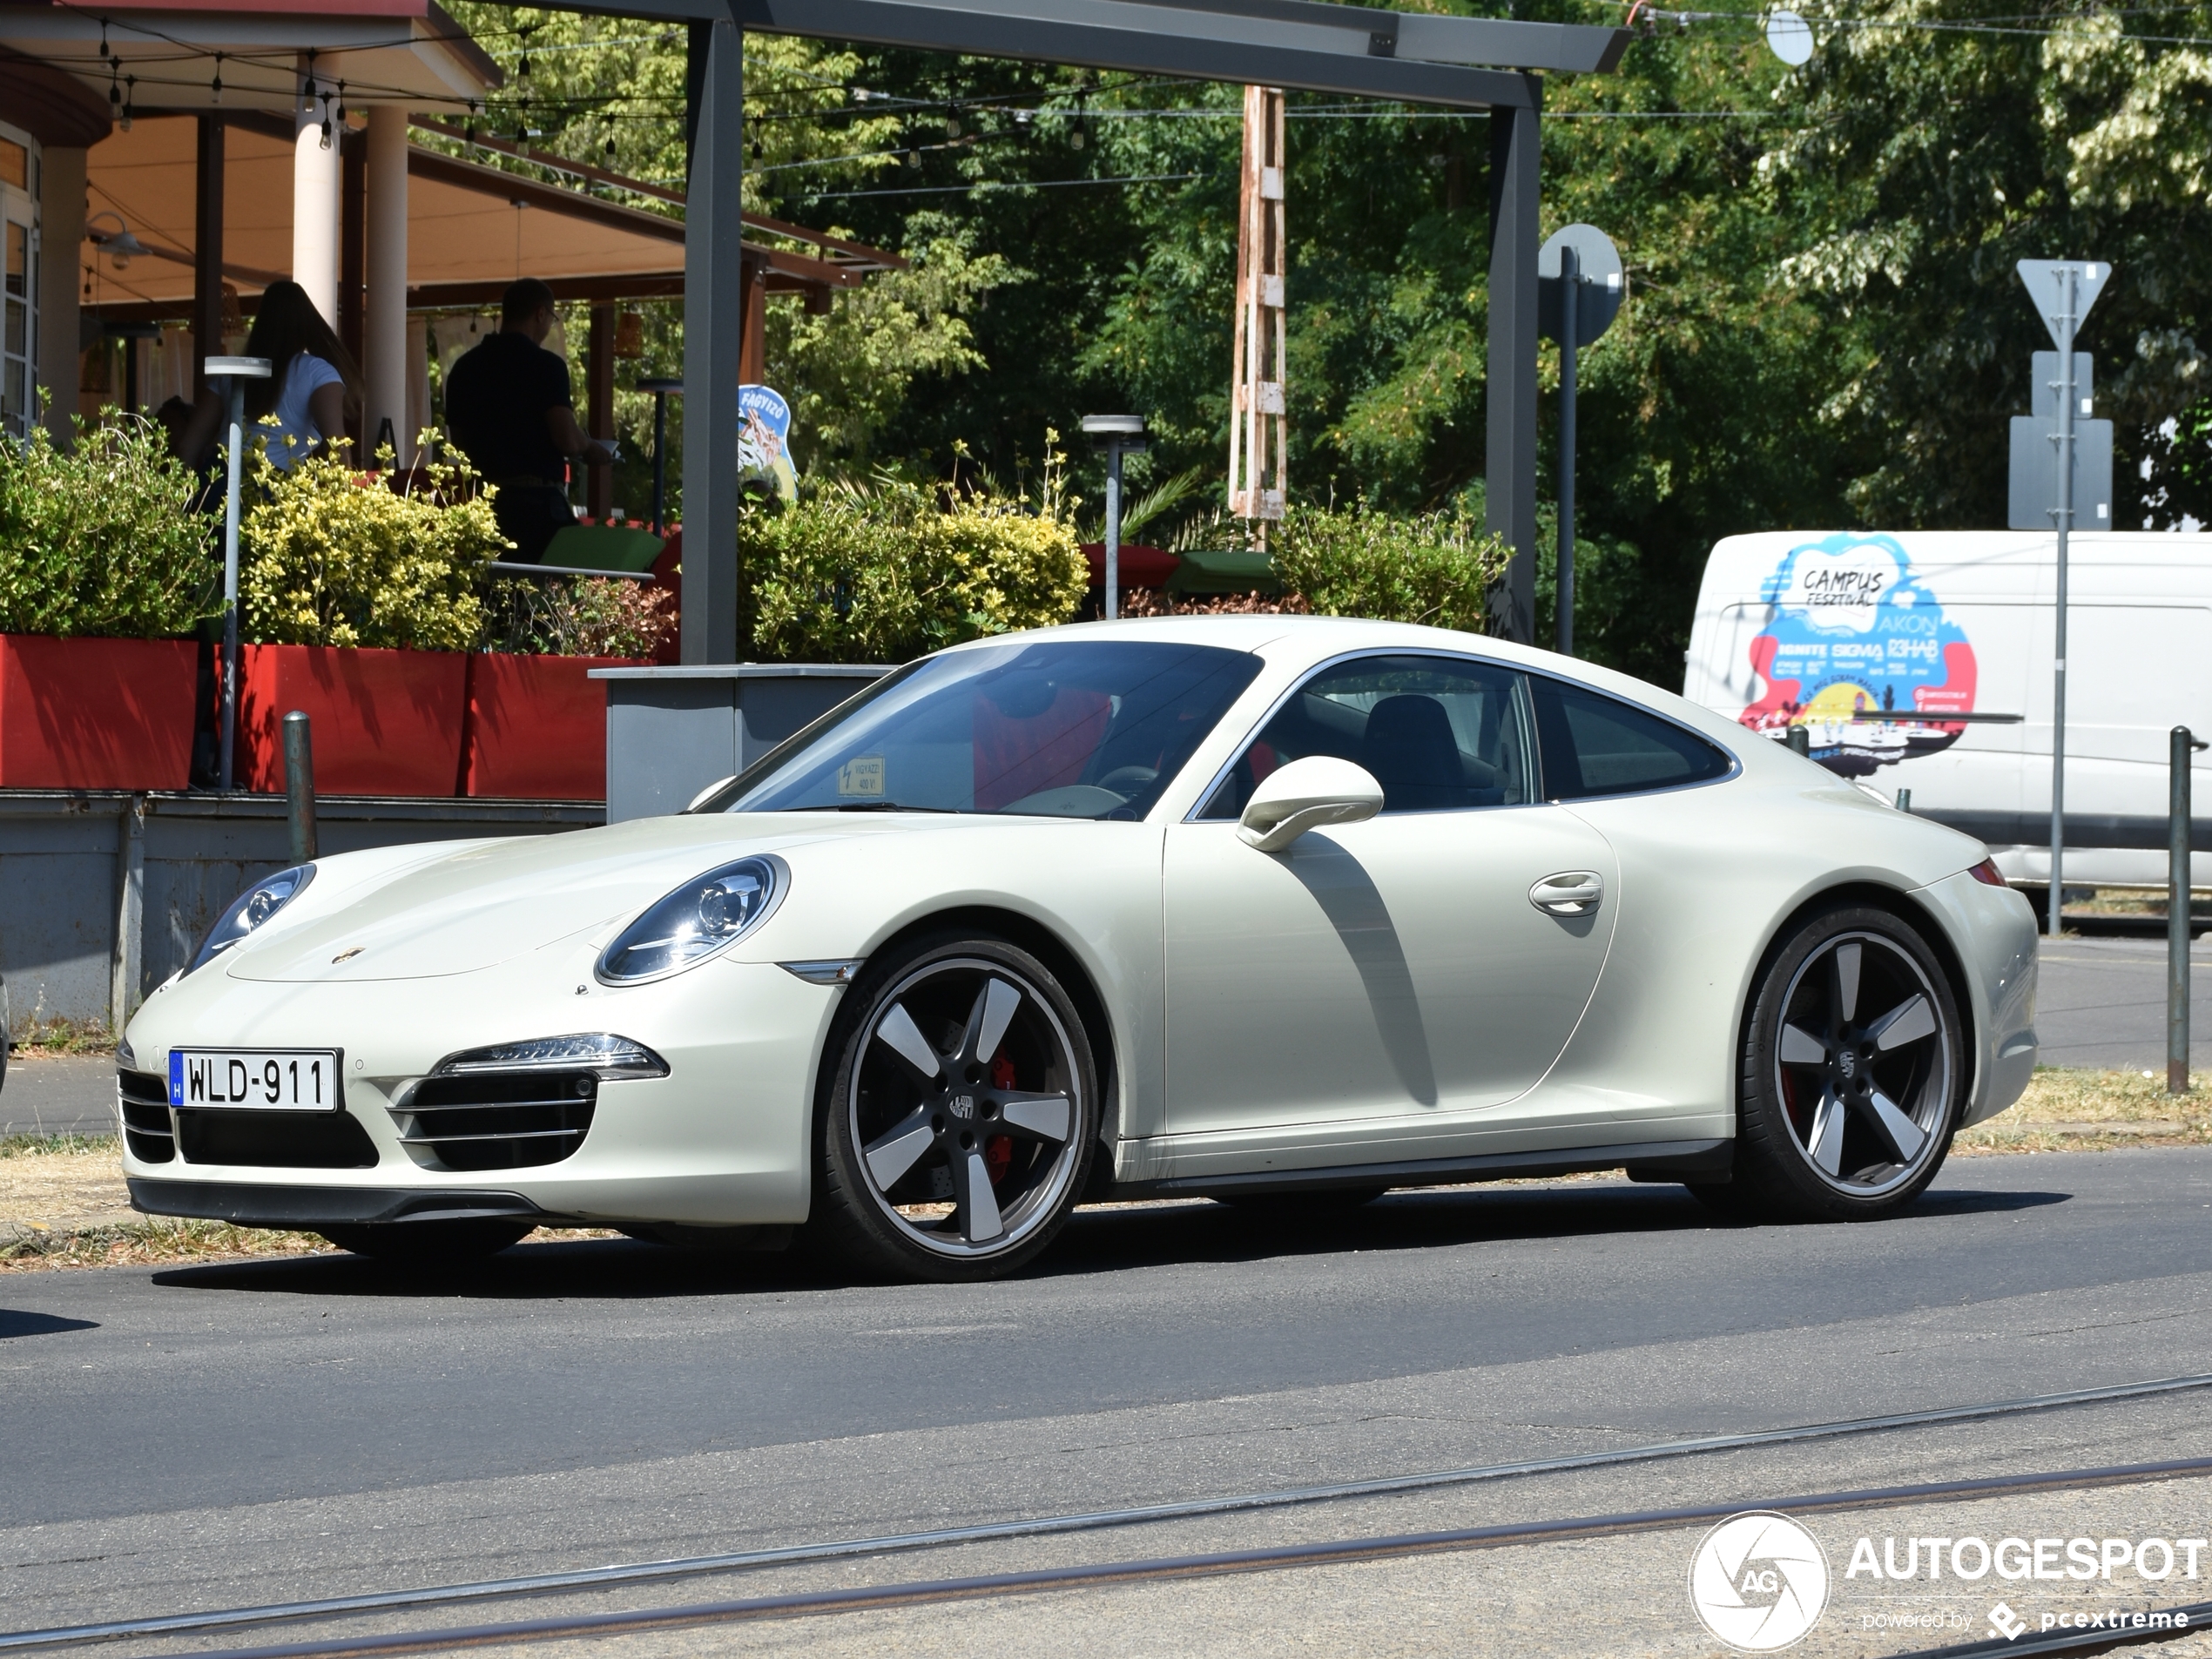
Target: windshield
column 1045, row 727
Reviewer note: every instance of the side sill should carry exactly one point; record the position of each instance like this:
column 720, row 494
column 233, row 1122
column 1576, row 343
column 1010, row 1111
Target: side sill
column 244, row 1205
column 1647, row 1160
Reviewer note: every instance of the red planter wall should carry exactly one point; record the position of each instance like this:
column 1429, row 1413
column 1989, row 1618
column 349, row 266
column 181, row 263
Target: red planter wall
column 537, row 727
column 384, row 722
column 96, row 713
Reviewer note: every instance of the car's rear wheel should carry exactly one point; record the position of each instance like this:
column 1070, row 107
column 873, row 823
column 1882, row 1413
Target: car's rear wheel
column 957, row 1119
column 429, row 1244
column 1853, row 1066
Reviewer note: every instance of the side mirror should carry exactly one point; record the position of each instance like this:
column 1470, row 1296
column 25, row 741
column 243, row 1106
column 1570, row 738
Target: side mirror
column 1308, row 794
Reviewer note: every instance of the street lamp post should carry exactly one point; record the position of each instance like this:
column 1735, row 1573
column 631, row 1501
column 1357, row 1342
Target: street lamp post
column 231, row 373
column 1119, row 436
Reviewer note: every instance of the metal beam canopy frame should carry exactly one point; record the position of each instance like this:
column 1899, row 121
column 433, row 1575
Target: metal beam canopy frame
column 1453, row 63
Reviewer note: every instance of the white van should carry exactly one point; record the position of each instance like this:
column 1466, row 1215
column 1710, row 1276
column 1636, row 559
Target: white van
column 1921, row 660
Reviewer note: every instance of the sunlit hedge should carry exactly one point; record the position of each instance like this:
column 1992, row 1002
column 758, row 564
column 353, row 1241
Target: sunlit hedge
column 101, row 539
column 889, row 575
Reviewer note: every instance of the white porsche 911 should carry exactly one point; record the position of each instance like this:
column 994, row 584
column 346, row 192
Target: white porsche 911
column 1282, row 909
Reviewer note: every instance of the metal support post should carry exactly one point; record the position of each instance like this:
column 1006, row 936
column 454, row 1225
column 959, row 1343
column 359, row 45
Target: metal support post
column 1570, row 273
column 713, row 328
column 1510, row 456
column 227, row 718
column 1113, row 529
column 2067, row 319
column 233, row 373
column 300, row 785
column 661, row 388
column 2179, row 838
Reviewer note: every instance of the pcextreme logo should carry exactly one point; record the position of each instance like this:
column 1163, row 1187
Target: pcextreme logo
column 1758, row 1581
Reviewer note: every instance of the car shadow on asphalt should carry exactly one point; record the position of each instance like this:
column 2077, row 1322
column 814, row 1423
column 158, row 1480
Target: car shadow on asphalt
column 1099, row 1239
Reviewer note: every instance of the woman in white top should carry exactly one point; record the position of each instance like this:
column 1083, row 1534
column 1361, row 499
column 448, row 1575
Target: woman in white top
column 311, row 383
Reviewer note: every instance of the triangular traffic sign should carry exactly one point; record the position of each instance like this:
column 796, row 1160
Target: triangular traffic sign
column 2046, row 283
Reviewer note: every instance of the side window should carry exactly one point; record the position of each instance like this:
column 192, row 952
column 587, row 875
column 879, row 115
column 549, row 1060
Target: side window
column 1595, row 744
column 1438, row 733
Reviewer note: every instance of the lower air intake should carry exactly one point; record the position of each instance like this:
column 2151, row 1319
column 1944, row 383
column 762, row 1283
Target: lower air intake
column 144, row 1097
column 500, row 1120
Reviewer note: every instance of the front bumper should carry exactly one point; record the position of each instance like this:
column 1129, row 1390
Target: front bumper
column 257, row 1204
column 722, row 1140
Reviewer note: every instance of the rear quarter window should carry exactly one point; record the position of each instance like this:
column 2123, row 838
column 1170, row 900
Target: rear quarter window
column 1595, row 744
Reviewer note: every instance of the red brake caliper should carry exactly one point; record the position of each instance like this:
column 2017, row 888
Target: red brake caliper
column 998, row 1151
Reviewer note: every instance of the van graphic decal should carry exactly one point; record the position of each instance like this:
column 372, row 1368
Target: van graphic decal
column 1860, row 654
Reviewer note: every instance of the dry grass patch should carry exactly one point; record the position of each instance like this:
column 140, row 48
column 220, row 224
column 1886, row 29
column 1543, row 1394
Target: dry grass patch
column 2074, row 1109
column 62, row 1204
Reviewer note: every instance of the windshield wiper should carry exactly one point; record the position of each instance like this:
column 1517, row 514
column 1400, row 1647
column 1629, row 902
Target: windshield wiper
column 869, row 807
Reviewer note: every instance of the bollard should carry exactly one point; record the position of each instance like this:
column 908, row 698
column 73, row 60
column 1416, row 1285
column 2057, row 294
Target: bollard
column 2178, row 837
column 300, row 785
column 1800, row 741
column 1904, row 800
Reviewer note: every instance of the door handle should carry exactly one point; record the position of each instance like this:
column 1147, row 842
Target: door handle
column 1571, row 893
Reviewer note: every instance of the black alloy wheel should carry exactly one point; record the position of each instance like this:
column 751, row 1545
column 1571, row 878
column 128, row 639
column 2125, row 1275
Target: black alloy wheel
column 959, row 1115
column 1852, row 1073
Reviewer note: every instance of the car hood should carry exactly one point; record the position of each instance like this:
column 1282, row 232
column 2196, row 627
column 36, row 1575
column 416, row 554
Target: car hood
column 490, row 902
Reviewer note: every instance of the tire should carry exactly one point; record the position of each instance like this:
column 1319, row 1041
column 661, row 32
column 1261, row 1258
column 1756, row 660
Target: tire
column 429, row 1244
column 958, row 1116
column 1853, row 1071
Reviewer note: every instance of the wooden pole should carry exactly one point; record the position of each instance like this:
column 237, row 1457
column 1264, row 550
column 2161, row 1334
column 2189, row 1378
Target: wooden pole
column 1258, row 427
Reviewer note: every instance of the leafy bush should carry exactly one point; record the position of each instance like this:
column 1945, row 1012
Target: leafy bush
column 328, row 558
column 889, row 574
column 102, row 539
column 1432, row 567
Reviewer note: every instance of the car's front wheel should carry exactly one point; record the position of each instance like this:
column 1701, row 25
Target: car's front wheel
column 1852, row 1069
column 958, row 1113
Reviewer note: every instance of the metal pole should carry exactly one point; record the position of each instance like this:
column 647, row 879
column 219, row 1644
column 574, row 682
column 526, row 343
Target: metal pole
column 227, row 716
column 1113, row 529
column 660, row 460
column 300, row 785
column 2058, row 673
column 2178, row 839
column 1570, row 287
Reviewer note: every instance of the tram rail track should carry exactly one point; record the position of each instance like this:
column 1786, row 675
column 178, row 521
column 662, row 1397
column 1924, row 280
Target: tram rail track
column 639, row 1573
column 1106, row 1574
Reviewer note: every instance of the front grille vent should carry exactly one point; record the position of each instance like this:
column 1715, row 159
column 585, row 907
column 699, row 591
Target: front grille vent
column 500, row 1120
column 143, row 1097
column 275, row 1140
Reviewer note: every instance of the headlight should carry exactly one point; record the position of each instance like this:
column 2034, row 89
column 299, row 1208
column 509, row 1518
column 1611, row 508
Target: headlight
column 250, row 909
column 707, row 913
column 601, row 1052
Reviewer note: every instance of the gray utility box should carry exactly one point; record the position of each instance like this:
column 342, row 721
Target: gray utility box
column 104, row 894
column 672, row 732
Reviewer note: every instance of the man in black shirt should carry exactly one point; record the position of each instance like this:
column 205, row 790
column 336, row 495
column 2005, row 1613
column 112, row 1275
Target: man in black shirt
column 510, row 409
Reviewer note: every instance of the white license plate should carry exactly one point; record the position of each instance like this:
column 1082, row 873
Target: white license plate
column 274, row 1080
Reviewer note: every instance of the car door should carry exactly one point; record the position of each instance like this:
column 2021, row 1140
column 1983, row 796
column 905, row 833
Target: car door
column 1407, row 965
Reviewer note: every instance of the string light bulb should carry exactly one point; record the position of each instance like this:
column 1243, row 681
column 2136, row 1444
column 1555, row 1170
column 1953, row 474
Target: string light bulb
column 129, row 98
column 216, row 86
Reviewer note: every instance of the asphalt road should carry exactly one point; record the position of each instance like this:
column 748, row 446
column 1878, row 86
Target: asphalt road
column 214, row 1435
column 2100, row 1003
